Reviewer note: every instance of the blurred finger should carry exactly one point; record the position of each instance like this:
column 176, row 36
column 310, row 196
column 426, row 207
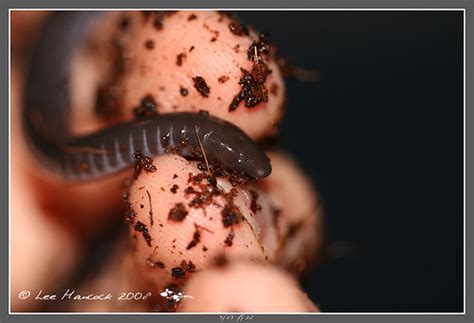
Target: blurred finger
column 244, row 287
column 298, row 213
column 38, row 240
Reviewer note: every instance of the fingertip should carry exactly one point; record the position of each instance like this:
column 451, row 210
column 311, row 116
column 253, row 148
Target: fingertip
column 178, row 218
column 197, row 65
column 298, row 213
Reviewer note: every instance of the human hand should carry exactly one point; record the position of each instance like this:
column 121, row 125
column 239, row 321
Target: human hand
column 279, row 217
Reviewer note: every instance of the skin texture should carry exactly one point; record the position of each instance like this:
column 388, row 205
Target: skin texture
column 154, row 71
column 170, row 239
column 87, row 210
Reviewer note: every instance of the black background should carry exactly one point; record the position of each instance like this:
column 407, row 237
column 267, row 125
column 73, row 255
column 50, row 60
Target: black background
column 381, row 134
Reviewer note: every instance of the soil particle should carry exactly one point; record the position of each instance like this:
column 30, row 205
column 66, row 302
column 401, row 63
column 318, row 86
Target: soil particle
column 183, row 91
column 254, row 207
column 180, row 58
column 160, row 264
column 177, row 272
column 156, row 17
column 195, row 240
column 178, row 212
column 142, row 163
column 130, row 214
column 260, row 71
column 143, row 229
column 238, row 29
column 147, row 107
column 174, row 189
column 149, row 44
column 231, row 214
column 201, row 86
column 260, row 47
column 223, row 79
column 252, row 92
column 230, row 237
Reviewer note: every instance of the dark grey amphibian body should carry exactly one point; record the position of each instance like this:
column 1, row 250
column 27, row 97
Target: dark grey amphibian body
column 110, row 150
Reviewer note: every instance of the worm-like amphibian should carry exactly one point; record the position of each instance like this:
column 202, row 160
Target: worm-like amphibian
column 110, row 150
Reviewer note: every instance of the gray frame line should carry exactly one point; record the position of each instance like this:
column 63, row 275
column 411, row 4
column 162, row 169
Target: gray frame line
column 467, row 8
